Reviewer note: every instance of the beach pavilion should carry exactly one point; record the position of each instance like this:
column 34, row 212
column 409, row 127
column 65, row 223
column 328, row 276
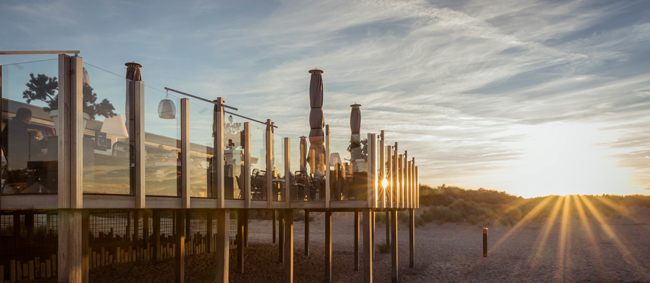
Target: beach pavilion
column 98, row 168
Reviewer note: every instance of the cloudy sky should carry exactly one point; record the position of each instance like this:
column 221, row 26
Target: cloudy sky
column 528, row 97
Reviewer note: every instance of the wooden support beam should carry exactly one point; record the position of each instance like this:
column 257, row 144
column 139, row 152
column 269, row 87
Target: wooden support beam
column 328, row 246
column 273, row 223
column 367, row 250
column 218, row 181
column 185, row 150
column 288, row 246
column 209, row 242
column 356, row 239
column 179, row 239
column 246, row 228
column 223, row 245
column 188, row 224
column 328, row 194
column 306, row 232
column 388, row 227
column 136, row 229
column 373, row 221
column 156, row 235
column 137, row 139
column 247, row 173
column 145, row 226
column 85, row 246
column 390, row 191
column 281, row 234
column 411, row 237
column 240, row 240
column 394, row 247
column 269, row 166
column 382, row 169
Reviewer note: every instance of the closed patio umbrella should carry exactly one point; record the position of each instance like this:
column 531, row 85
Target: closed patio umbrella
column 355, row 122
column 317, row 121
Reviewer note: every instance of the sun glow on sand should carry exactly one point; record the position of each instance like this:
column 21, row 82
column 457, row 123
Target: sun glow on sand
column 560, row 159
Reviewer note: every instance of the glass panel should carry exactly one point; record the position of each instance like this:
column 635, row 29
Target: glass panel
column 278, row 167
column 201, row 143
column 29, row 137
column 234, row 157
column 106, row 147
column 300, row 179
column 316, row 171
column 258, row 161
column 348, row 168
column 162, row 123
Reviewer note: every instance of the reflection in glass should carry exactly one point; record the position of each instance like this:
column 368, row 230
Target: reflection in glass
column 278, row 167
column 258, row 162
column 233, row 158
column 29, row 140
column 162, row 144
column 201, row 149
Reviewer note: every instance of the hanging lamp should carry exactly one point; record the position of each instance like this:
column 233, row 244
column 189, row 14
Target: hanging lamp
column 166, row 108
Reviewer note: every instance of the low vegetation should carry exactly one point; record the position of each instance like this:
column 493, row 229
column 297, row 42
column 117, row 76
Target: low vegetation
column 483, row 207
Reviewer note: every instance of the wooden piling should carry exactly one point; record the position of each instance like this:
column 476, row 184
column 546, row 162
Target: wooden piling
column 288, row 246
column 281, row 235
column 240, row 240
column 306, row 232
column 223, row 245
column 394, row 247
column 157, row 253
column 273, row 221
column 368, row 252
column 356, row 239
column 411, row 237
column 388, row 227
column 246, row 227
column 179, row 250
column 328, row 246
column 209, row 243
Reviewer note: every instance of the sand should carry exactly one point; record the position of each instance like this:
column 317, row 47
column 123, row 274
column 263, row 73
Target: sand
column 618, row 252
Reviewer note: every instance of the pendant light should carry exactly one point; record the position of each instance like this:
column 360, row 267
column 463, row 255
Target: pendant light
column 166, row 108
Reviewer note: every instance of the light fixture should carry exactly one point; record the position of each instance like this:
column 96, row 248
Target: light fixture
column 115, row 129
column 166, row 108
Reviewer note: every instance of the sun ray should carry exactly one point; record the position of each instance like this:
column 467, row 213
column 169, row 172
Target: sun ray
column 561, row 255
column 534, row 212
column 587, row 226
column 546, row 230
column 627, row 255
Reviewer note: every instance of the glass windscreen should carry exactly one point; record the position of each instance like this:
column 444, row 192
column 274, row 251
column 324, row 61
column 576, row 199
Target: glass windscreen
column 299, row 176
column 106, row 146
column 258, row 162
column 162, row 123
column 278, row 167
column 201, row 153
column 233, row 157
column 348, row 167
column 29, row 127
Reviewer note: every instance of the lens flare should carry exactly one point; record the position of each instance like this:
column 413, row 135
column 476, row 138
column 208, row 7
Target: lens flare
column 384, row 183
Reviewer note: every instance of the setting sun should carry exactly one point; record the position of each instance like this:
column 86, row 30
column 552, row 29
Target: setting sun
column 560, row 159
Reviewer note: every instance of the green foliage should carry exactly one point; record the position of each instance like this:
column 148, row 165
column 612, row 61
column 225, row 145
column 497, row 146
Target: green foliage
column 482, row 207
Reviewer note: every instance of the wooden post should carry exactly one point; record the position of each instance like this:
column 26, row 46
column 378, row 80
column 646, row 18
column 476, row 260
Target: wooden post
column 246, row 228
column 85, row 245
column 218, row 178
column 287, row 172
column 356, row 239
column 388, row 227
column 136, row 231
column 179, row 244
column 188, row 225
column 306, row 232
column 327, row 168
column 328, row 246
column 394, row 175
column 70, row 167
column 485, row 242
column 373, row 222
column 240, row 240
column 273, row 223
column 247, row 174
column 367, row 250
column 288, row 247
column 156, row 235
column 390, row 188
column 269, row 167
column 185, row 153
column 281, row 234
column 382, row 170
column 138, row 141
column 411, row 237
column 223, row 245
column 394, row 247
column 145, row 227
column 209, row 243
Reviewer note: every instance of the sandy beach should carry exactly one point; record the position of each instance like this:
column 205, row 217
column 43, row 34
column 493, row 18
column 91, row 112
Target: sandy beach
column 444, row 253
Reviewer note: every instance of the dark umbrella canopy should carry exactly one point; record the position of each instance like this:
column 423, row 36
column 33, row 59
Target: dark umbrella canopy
column 133, row 71
column 316, row 123
column 355, row 122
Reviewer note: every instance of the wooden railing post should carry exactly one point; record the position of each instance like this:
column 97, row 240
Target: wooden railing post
column 269, row 166
column 185, row 152
column 287, row 172
column 327, row 166
column 247, row 164
column 138, row 139
column 218, row 177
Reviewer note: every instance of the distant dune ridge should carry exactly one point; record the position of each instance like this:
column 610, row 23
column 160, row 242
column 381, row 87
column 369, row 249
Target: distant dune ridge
column 483, row 207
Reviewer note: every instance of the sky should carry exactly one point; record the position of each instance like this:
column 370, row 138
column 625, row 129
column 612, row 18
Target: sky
column 528, row 97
